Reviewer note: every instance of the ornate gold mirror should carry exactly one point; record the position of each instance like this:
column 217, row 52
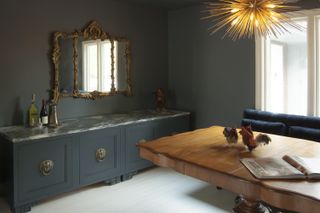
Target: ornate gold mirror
column 90, row 64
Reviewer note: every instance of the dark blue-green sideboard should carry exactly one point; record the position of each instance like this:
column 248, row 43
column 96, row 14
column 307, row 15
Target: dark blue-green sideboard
column 42, row 162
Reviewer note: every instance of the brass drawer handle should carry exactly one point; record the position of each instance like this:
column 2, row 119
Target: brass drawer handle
column 101, row 154
column 46, row 167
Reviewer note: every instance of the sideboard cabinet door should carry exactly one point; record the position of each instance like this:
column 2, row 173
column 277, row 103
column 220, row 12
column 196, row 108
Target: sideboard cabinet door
column 42, row 168
column 99, row 155
column 135, row 134
column 172, row 126
column 145, row 132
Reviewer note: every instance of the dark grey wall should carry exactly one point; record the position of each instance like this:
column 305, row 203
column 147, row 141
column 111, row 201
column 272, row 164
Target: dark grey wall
column 210, row 76
column 26, row 33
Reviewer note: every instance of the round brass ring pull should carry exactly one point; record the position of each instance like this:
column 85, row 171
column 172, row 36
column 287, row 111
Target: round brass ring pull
column 101, row 154
column 46, row 167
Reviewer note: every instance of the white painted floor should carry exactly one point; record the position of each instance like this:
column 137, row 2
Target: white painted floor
column 158, row 190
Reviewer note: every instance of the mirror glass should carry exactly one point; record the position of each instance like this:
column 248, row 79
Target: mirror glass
column 95, row 66
column 66, row 67
column 95, row 72
column 90, row 64
column 121, row 69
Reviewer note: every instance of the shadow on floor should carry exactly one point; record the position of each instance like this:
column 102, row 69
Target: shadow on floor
column 216, row 198
column 221, row 199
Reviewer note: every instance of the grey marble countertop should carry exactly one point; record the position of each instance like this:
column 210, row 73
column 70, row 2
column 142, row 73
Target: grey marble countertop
column 17, row 134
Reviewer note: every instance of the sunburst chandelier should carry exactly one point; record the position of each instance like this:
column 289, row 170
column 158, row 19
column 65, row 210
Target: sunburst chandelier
column 246, row 18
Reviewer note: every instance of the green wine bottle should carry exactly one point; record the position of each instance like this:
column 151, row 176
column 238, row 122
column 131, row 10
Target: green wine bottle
column 33, row 113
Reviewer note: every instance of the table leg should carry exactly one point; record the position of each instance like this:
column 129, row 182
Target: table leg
column 250, row 206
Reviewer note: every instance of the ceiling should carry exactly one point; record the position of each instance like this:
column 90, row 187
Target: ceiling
column 174, row 4
column 169, row 4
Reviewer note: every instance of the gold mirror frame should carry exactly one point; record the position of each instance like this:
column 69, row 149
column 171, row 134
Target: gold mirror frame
column 92, row 32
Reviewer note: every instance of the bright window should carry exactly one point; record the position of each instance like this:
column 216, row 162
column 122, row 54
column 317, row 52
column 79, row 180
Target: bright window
column 97, row 66
column 287, row 67
column 275, row 78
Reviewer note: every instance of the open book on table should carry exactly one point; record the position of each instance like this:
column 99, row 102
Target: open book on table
column 287, row 167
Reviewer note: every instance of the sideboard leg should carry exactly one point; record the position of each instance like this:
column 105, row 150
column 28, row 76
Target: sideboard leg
column 113, row 181
column 250, row 206
column 128, row 176
column 22, row 209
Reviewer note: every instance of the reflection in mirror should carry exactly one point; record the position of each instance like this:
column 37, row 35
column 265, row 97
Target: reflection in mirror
column 90, row 64
column 96, row 66
column 95, row 71
column 66, row 66
column 120, row 71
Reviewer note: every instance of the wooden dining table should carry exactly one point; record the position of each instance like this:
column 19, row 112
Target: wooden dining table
column 205, row 154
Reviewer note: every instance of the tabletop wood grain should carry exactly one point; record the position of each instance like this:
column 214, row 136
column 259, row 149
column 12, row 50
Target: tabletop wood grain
column 205, row 154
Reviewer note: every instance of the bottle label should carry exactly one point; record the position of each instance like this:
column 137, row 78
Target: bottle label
column 44, row 120
column 32, row 122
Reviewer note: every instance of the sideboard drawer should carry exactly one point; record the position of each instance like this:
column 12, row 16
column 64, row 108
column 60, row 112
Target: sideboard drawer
column 100, row 155
column 43, row 168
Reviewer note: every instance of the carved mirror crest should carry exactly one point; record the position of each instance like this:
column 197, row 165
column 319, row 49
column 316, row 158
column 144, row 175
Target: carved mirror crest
column 90, row 64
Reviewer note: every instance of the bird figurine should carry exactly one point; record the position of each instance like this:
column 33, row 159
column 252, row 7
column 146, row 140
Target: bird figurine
column 249, row 140
column 160, row 99
column 231, row 135
column 263, row 139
